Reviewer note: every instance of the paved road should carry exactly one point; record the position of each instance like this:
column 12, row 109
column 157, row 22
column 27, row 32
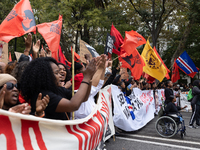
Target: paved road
column 148, row 139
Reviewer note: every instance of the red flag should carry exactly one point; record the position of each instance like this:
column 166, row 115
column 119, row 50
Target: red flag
column 76, row 56
column 133, row 40
column 133, row 60
column 118, row 39
column 69, row 64
column 51, row 33
column 18, row 22
column 175, row 72
column 149, row 78
column 61, row 57
column 167, row 74
column 55, row 55
column 10, row 58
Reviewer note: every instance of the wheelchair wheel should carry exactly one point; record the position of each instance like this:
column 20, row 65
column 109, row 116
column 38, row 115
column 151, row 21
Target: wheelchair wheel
column 166, row 126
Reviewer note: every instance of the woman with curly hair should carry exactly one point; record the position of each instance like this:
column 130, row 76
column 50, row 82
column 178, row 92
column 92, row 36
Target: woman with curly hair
column 65, row 75
column 42, row 76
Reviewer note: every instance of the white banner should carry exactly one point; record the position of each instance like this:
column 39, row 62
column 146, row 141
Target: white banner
column 184, row 101
column 142, row 105
column 26, row 132
column 159, row 100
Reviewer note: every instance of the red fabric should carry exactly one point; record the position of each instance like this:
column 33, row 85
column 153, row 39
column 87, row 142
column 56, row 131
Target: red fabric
column 118, row 39
column 134, row 62
column 191, row 74
column 131, row 58
column 76, row 56
column 167, row 74
column 21, row 99
column 175, row 72
column 69, row 64
column 132, row 40
column 51, row 33
column 55, row 55
column 61, row 57
column 10, row 58
column 77, row 80
column 18, row 22
column 149, row 78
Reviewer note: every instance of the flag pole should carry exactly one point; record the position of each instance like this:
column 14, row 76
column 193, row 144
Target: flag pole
column 72, row 78
column 116, row 58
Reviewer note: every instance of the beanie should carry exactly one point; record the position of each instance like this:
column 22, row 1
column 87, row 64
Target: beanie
column 4, row 78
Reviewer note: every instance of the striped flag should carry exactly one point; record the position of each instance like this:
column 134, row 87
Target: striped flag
column 186, row 64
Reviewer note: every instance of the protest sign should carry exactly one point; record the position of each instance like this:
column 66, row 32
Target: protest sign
column 109, row 45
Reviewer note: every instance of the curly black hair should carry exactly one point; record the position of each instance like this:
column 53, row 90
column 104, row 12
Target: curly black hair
column 38, row 76
column 68, row 76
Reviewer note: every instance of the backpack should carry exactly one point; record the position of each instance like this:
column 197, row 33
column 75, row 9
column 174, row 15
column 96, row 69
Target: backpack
column 190, row 96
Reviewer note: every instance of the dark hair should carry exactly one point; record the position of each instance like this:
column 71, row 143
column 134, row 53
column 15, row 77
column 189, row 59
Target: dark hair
column 166, row 83
column 38, row 76
column 9, row 67
column 68, row 76
column 196, row 83
column 18, row 70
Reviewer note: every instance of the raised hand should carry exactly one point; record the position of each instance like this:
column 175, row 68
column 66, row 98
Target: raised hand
column 21, row 108
column 2, row 93
column 42, row 53
column 103, row 61
column 91, row 68
column 36, row 46
column 41, row 104
column 28, row 43
column 49, row 54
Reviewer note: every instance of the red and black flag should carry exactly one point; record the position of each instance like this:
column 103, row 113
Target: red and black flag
column 175, row 72
column 18, row 22
column 51, row 33
column 118, row 39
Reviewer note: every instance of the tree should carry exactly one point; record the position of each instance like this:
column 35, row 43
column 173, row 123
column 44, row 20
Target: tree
column 154, row 14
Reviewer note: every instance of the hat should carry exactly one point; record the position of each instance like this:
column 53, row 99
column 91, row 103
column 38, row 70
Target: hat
column 24, row 58
column 4, row 78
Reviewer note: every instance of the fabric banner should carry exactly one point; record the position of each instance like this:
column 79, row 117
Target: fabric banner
column 159, row 100
column 142, row 104
column 184, row 101
column 26, row 132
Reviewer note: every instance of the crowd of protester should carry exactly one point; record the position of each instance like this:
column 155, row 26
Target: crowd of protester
column 42, row 87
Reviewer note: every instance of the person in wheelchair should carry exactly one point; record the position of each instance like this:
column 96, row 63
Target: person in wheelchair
column 171, row 108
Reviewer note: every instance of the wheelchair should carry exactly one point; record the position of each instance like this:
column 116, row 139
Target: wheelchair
column 170, row 124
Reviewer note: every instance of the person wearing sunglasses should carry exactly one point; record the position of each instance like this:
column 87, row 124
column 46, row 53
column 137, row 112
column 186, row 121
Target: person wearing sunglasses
column 9, row 97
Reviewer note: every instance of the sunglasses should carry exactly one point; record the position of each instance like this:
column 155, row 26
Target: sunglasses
column 10, row 86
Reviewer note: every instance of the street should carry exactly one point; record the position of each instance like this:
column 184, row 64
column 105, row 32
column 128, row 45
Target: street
column 148, row 139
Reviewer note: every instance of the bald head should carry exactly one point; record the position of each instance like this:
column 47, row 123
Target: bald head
column 2, row 67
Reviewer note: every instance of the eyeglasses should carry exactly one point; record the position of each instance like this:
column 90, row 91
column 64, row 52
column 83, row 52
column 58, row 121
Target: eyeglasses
column 10, row 86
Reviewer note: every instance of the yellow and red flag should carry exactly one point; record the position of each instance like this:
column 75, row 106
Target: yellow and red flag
column 168, row 71
column 153, row 66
